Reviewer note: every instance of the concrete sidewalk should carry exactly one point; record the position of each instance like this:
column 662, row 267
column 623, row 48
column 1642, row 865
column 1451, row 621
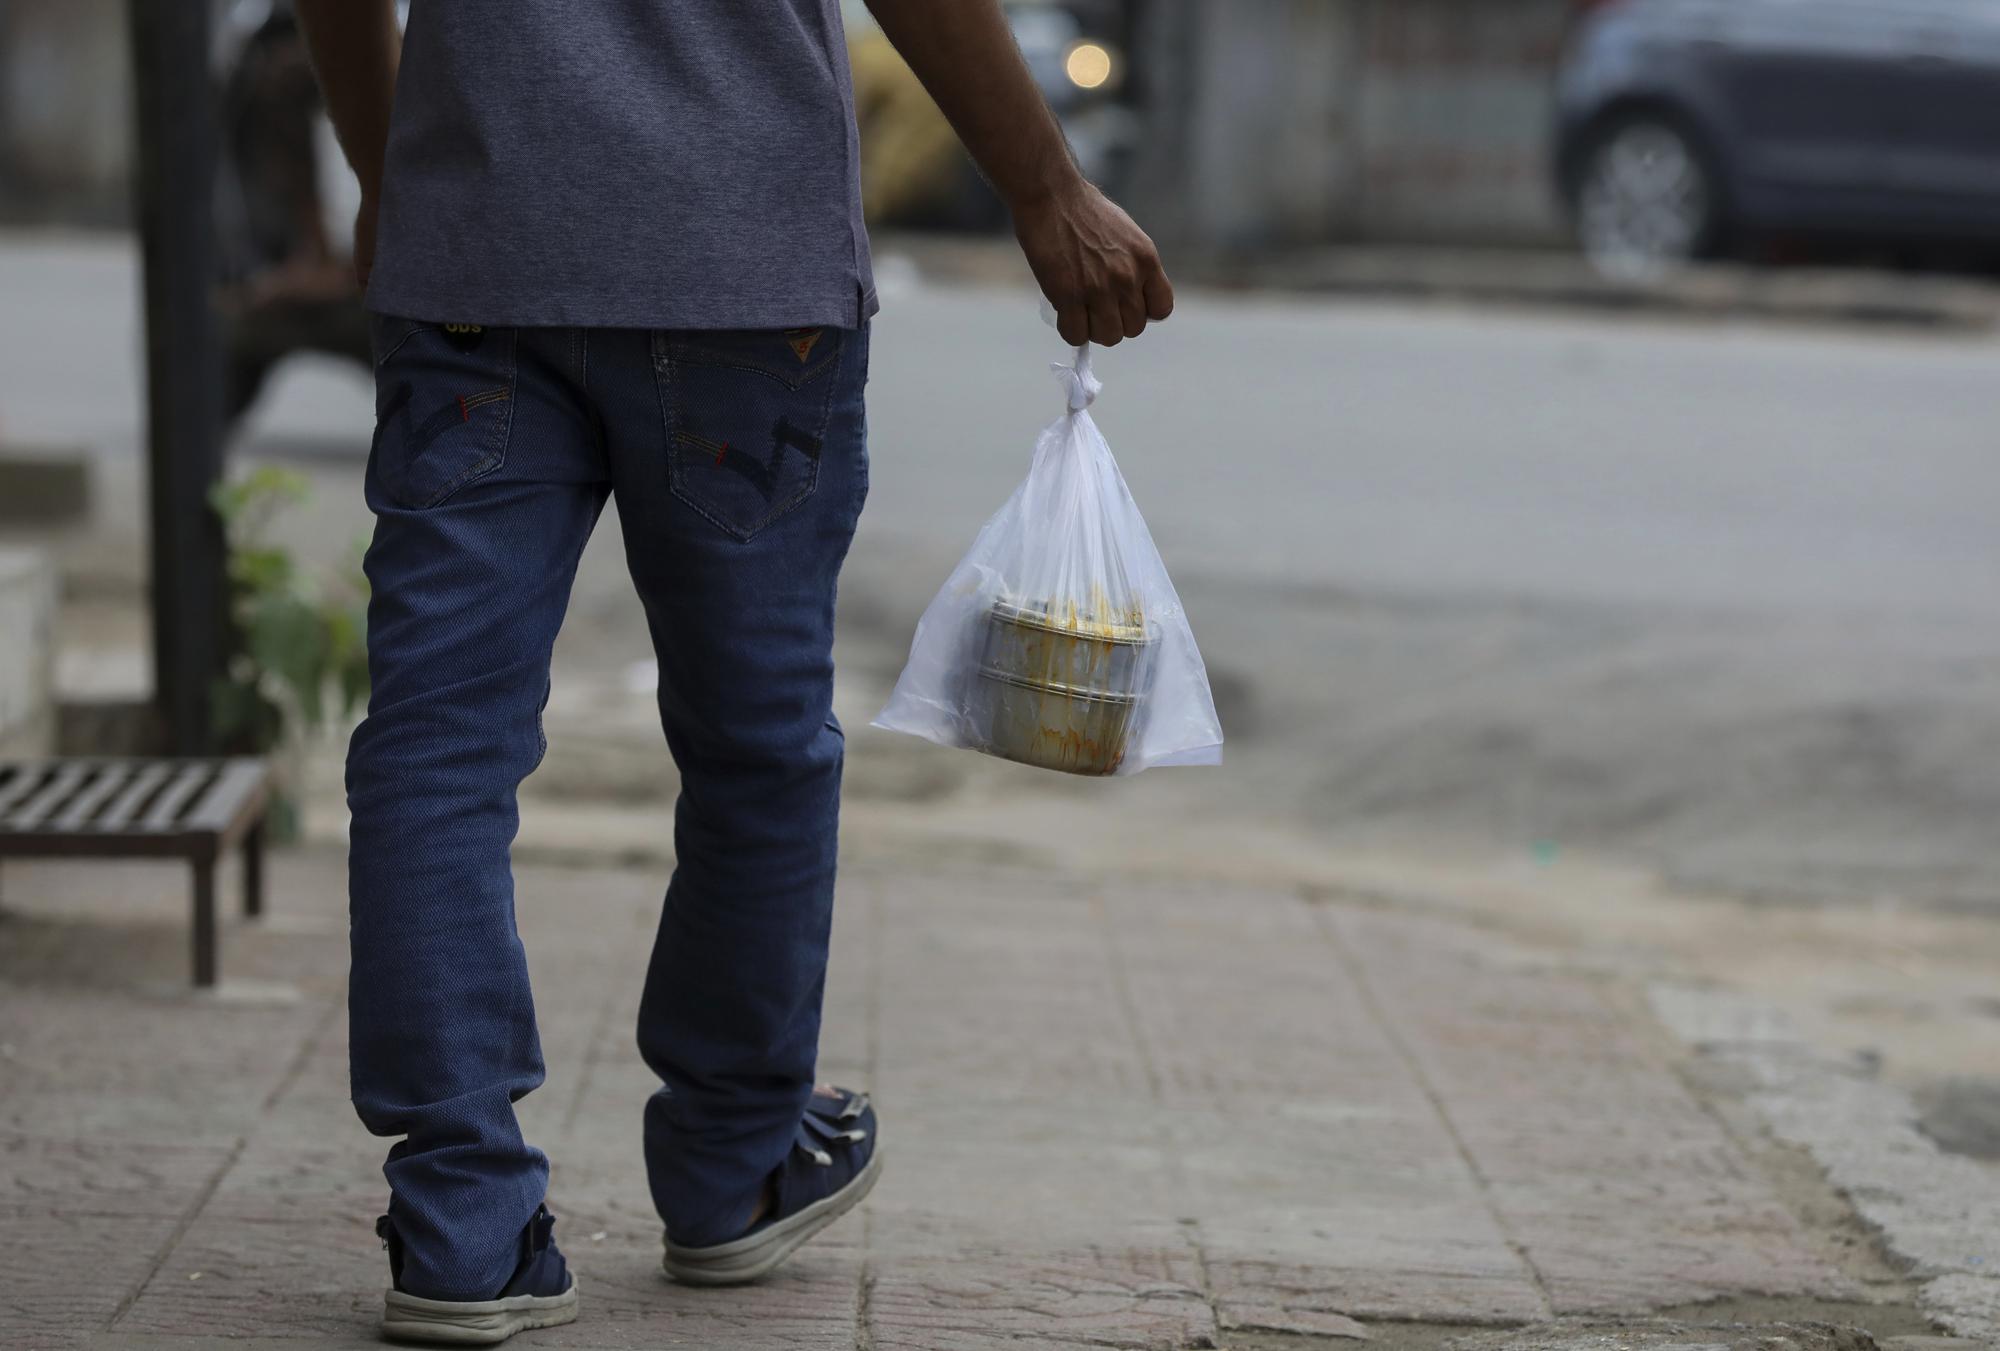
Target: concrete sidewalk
column 1114, row 1115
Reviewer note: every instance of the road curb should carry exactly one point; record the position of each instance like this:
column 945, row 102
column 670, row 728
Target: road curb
column 1564, row 280
column 1521, row 277
column 1932, row 1210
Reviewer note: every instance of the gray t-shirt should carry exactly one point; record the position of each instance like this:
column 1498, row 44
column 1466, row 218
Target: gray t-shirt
column 624, row 164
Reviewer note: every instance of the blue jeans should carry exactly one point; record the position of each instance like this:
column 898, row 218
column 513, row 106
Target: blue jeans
column 739, row 463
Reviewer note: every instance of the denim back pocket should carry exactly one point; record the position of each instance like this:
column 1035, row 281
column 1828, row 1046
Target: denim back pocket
column 444, row 404
column 745, row 413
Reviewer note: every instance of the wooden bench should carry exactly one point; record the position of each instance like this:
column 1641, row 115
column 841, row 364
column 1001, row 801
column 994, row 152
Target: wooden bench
column 190, row 809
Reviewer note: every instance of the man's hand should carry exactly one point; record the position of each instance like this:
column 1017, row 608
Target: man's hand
column 1096, row 266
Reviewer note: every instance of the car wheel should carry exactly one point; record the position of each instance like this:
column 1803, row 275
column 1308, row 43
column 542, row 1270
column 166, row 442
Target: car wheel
column 1645, row 199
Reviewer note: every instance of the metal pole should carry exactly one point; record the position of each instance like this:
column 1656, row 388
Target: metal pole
column 177, row 147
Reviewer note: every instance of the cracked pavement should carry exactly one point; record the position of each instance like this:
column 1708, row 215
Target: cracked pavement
column 1143, row 1115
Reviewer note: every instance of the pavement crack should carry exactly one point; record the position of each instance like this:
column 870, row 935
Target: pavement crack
column 299, row 1061
column 1321, row 914
column 591, row 1057
column 1121, row 988
column 1128, row 1009
column 864, row 1308
column 181, row 1226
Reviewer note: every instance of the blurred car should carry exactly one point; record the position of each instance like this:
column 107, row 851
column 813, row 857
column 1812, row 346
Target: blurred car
column 1687, row 127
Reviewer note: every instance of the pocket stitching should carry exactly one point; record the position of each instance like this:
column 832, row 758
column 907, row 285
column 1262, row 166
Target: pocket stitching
column 811, row 486
column 496, row 439
column 671, row 416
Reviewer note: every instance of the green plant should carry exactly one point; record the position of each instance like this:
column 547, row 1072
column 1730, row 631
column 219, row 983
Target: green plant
column 293, row 638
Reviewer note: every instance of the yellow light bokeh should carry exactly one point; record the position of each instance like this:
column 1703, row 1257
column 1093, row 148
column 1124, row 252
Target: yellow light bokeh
column 1088, row 65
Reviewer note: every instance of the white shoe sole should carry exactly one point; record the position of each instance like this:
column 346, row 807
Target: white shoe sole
column 477, row 1323
column 747, row 1259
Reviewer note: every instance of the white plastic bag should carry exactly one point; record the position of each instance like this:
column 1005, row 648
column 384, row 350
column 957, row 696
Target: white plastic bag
column 1059, row 641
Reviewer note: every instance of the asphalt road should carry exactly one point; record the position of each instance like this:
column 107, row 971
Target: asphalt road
column 1336, row 444
column 1721, row 598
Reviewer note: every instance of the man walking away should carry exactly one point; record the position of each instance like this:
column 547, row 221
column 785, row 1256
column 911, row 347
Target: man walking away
column 617, row 249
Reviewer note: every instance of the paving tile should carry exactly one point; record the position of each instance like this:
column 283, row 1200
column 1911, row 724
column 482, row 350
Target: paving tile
column 318, row 1274
column 968, row 1175
column 66, row 1274
column 1619, row 1186
column 85, row 1176
column 288, row 1180
column 197, row 1341
column 611, row 1238
column 604, row 1123
column 1397, row 1260
column 1064, row 1298
column 1109, row 1112
column 846, row 1018
column 811, row 1303
column 317, row 1087
column 1325, row 1181
column 994, row 993
column 122, row 1065
column 1234, row 1315
column 1239, row 1001
column 1409, row 1261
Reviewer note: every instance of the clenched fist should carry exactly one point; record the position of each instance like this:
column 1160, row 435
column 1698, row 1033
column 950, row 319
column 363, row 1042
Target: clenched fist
column 1095, row 265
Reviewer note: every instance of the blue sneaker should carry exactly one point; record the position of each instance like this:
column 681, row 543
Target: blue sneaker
column 542, row 1294
column 833, row 1164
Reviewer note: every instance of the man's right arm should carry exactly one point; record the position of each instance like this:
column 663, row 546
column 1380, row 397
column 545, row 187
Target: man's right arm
column 1097, row 268
column 355, row 45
